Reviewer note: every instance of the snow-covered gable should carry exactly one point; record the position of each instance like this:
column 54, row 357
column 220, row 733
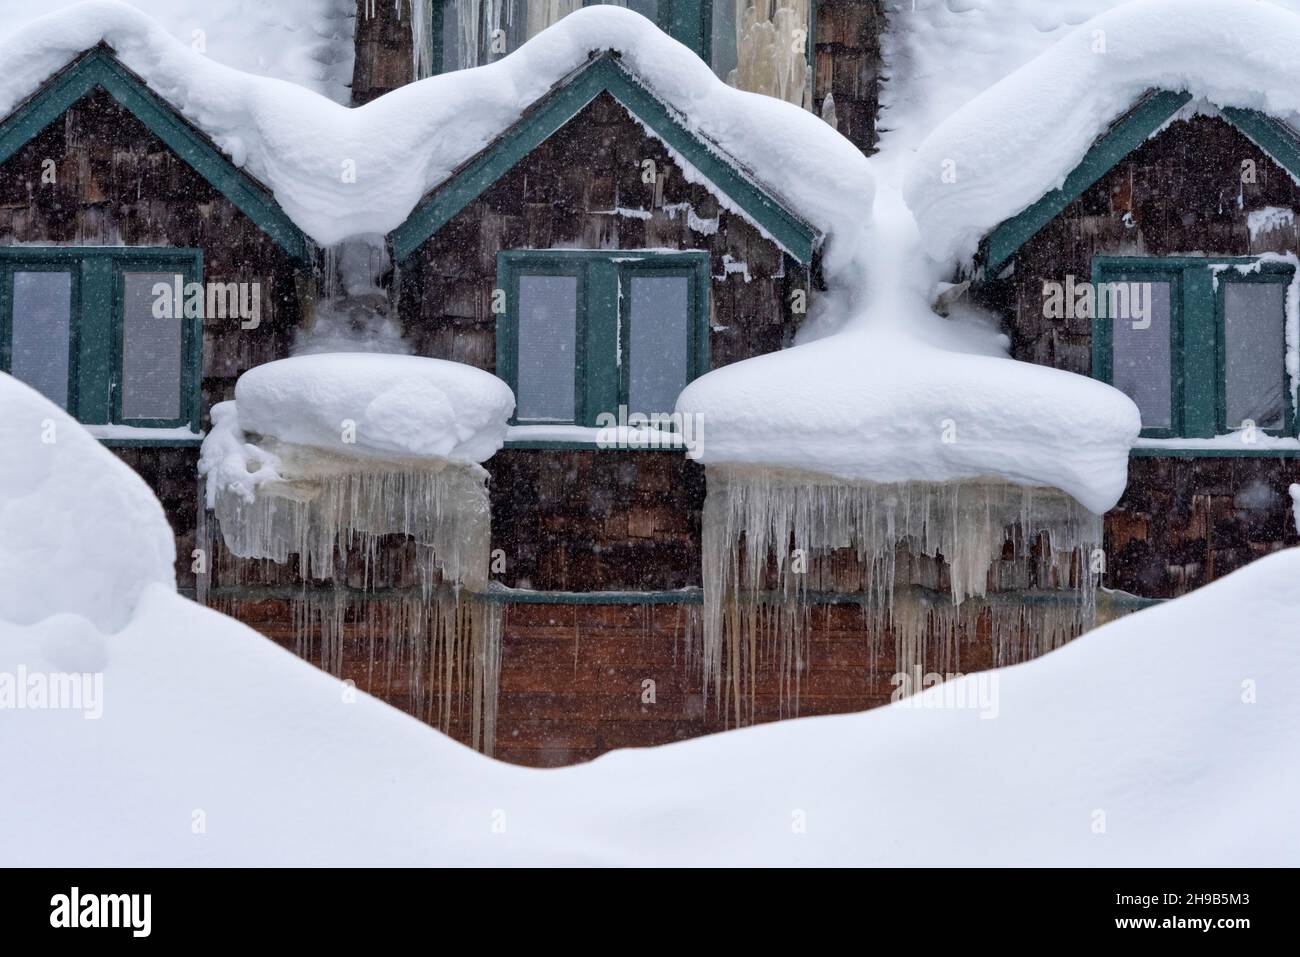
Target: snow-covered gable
column 1021, row 138
column 307, row 42
column 340, row 172
column 703, row 161
column 941, row 54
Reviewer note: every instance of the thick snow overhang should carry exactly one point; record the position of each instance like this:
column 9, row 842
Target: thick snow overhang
column 98, row 68
column 1273, row 136
column 605, row 73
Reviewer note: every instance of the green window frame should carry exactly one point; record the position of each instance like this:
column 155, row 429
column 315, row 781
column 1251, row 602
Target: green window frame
column 97, row 327
column 1198, row 341
column 603, row 334
column 690, row 22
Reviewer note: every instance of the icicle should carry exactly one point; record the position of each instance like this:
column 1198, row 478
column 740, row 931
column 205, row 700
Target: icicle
column 422, row 528
column 928, row 561
column 771, row 49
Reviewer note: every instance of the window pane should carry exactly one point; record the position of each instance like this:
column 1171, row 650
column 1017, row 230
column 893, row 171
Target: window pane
column 1141, row 363
column 548, row 329
column 1254, row 330
column 42, row 324
column 475, row 32
column 658, row 342
column 762, row 46
column 151, row 351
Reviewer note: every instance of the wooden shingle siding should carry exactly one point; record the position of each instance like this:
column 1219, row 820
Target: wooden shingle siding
column 602, row 519
column 596, row 521
column 1182, row 192
column 848, row 65
column 116, row 183
column 568, row 194
column 1183, row 521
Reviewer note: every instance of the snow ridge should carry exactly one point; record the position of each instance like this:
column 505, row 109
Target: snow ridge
column 1041, row 120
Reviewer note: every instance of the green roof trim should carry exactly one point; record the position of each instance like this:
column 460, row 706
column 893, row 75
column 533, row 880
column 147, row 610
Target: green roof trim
column 1126, row 135
column 602, row 74
column 1271, row 135
column 100, row 68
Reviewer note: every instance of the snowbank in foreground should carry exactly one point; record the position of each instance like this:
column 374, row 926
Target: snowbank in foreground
column 1041, row 120
column 1173, row 731
column 402, row 145
column 362, row 403
column 79, row 531
column 1166, row 738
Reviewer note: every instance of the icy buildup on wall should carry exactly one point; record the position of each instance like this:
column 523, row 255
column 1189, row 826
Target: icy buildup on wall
column 353, row 312
column 362, row 471
column 772, row 49
column 926, row 560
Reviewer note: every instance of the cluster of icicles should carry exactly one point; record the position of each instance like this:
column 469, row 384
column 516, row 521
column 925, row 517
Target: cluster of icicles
column 928, row 562
column 437, row 634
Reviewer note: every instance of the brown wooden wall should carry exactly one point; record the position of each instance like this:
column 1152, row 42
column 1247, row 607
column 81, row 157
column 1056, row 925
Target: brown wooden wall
column 848, row 65
column 119, row 184
column 1179, row 193
column 608, row 519
column 566, row 195
column 600, row 520
column 382, row 40
column 1183, row 521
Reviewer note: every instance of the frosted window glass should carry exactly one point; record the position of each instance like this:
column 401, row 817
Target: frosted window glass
column 548, row 329
column 1141, row 361
column 1255, row 353
column 151, row 351
column 659, row 342
column 42, row 323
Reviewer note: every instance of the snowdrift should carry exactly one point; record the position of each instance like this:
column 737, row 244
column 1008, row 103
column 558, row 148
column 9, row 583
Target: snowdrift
column 80, row 533
column 1166, row 738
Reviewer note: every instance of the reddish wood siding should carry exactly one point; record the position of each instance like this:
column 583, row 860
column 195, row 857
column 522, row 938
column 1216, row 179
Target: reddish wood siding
column 572, row 677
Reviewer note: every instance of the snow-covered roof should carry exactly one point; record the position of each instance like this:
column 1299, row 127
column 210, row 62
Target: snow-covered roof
column 941, row 54
column 305, row 147
column 1019, row 139
column 307, row 42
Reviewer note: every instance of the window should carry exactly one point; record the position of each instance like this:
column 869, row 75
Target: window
column 758, row 45
column 587, row 332
column 81, row 326
column 1198, row 344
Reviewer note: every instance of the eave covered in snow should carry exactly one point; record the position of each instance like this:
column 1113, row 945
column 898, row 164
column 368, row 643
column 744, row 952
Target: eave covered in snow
column 100, row 69
column 1021, row 150
column 704, row 160
column 339, row 173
